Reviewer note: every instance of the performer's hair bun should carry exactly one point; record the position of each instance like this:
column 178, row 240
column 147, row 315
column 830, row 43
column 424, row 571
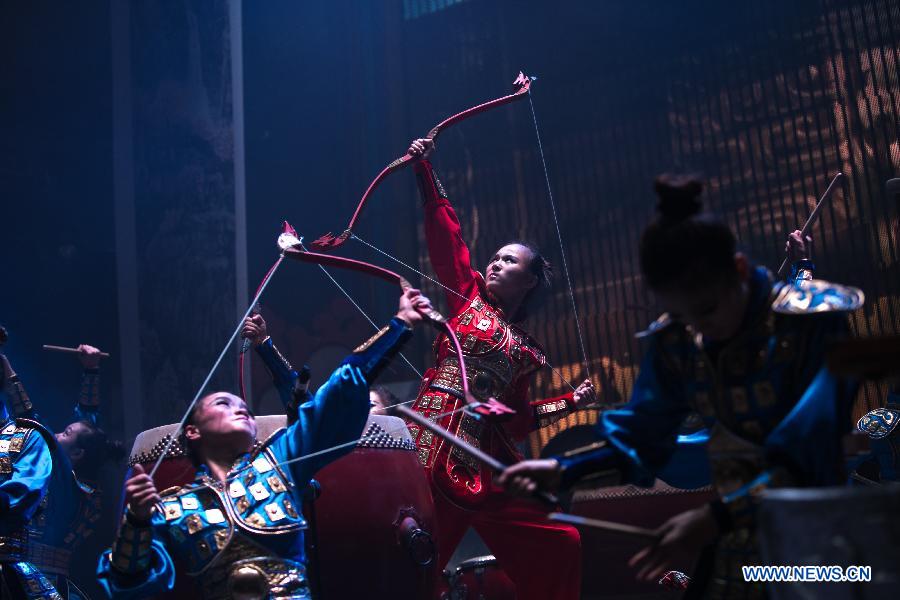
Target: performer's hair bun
column 685, row 247
column 679, row 196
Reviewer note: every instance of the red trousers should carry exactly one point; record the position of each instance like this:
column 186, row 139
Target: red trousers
column 543, row 559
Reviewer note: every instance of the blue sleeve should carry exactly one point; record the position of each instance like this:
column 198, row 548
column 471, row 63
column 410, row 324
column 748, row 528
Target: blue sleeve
column 807, row 442
column 88, row 406
column 159, row 578
column 284, row 376
column 641, row 436
column 336, row 415
column 21, row 494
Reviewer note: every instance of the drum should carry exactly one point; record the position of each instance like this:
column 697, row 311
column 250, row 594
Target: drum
column 833, row 526
column 370, row 528
column 479, row 578
column 374, row 520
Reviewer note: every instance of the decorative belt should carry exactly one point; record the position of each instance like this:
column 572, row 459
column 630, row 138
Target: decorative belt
column 13, row 547
column 256, row 578
column 49, row 559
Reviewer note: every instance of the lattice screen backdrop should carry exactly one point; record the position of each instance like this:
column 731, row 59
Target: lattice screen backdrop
column 768, row 100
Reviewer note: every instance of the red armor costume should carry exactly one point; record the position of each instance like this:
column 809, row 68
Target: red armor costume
column 543, row 559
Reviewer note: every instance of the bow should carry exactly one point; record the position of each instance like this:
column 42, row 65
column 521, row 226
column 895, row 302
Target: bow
column 521, row 86
column 291, row 247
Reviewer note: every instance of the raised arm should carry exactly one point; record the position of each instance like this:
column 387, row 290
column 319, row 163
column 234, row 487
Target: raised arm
column 88, row 406
column 799, row 252
column 338, row 412
column 447, row 251
column 290, row 384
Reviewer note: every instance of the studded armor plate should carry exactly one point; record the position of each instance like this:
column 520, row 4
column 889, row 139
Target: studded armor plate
column 498, row 357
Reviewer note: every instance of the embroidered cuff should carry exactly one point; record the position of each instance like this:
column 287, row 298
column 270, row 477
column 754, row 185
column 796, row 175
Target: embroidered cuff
column 131, row 551
column 375, row 353
column 550, row 410
column 90, row 388
column 430, row 186
column 19, row 402
column 279, row 367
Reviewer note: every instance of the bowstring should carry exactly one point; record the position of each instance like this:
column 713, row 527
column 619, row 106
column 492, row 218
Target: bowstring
column 360, row 309
column 215, row 366
column 353, row 236
column 562, row 250
column 351, row 443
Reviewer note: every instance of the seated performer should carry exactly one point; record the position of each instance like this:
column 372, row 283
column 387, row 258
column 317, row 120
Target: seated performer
column 72, row 503
column 484, row 311
column 25, row 472
column 238, row 527
column 748, row 355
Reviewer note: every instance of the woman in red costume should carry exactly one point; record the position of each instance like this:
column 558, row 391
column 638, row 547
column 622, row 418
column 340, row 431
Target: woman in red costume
column 543, row 559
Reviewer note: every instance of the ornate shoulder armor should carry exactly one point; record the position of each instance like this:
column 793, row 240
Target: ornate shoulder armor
column 879, row 423
column 815, row 296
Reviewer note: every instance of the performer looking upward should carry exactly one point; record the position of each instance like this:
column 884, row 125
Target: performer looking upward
column 484, row 310
column 238, row 526
column 745, row 352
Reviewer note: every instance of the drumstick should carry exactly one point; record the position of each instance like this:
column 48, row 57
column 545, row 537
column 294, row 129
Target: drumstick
column 814, row 215
column 71, row 350
column 487, row 459
column 608, row 526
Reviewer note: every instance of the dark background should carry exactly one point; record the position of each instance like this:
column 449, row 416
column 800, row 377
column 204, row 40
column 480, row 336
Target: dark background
column 768, row 100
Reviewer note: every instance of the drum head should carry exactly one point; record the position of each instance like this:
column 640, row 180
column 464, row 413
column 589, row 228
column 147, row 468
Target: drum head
column 833, row 526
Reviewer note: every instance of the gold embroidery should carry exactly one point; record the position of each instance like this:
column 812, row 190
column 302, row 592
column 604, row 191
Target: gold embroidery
column 423, row 455
column 275, row 484
column 242, row 505
column 194, row 524
column 16, row 445
column 256, row 520
column 221, row 538
column 289, row 509
column 466, row 318
column 173, row 511
column 427, row 438
column 365, row 345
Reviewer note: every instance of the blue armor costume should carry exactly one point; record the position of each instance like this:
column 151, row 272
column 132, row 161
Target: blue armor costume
column 245, row 535
column 70, row 506
column 25, row 471
column 774, row 413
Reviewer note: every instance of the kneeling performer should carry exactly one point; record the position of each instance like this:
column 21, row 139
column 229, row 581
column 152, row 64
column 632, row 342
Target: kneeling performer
column 238, row 527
